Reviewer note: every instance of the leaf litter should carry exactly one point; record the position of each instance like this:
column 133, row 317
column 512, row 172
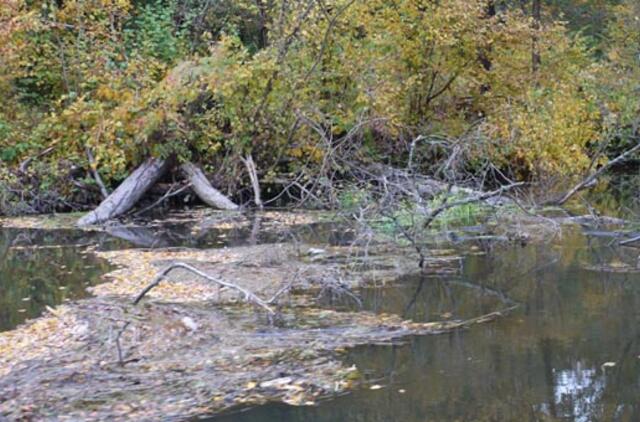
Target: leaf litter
column 190, row 348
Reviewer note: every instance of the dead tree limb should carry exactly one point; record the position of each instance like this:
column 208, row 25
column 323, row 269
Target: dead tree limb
column 593, row 176
column 475, row 198
column 205, row 191
column 25, row 164
column 128, row 193
column 95, row 174
column 164, row 197
column 248, row 296
column 631, row 240
column 255, row 182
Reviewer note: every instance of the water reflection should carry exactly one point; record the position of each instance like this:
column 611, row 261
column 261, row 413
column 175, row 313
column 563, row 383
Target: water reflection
column 258, row 231
column 571, row 351
column 41, row 268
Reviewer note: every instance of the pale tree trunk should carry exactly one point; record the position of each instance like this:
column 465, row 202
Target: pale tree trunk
column 128, row 193
column 205, row 191
column 255, row 182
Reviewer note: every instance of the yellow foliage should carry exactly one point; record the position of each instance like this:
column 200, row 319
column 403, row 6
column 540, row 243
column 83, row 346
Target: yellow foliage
column 413, row 66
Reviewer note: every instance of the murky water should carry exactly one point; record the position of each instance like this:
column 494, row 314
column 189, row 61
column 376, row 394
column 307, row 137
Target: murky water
column 40, row 268
column 570, row 352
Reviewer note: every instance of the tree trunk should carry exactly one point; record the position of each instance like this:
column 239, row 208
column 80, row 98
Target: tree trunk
column 205, row 191
column 536, row 13
column 128, row 193
column 255, row 182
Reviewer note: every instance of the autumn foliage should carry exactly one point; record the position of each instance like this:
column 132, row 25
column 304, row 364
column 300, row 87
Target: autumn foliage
column 213, row 82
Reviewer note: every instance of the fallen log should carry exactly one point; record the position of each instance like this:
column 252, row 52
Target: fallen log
column 205, row 191
column 127, row 194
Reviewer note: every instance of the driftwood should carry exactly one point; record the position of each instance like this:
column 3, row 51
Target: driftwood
column 205, row 191
column 128, row 193
column 248, row 296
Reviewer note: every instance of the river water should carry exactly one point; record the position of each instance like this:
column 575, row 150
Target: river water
column 570, row 351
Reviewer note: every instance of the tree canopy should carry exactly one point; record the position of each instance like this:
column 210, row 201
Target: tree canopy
column 535, row 88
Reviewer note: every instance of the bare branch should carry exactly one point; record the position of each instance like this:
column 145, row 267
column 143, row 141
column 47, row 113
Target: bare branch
column 95, row 174
column 469, row 200
column 248, row 296
column 592, row 177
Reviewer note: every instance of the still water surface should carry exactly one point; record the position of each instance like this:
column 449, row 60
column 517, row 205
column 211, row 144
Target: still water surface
column 571, row 350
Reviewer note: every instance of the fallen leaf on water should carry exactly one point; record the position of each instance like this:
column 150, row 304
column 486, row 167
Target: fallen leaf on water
column 375, row 387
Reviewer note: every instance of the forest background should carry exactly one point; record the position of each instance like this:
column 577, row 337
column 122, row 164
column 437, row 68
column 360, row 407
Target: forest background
column 290, row 95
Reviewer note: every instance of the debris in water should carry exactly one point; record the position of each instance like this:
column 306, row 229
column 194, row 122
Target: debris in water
column 606, row 365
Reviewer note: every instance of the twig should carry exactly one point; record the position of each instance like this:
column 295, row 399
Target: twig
column 587, row 180
column 248, row 296
column 120, row 357
column 469, row 200
column 166, row 196
column 23, row 166
column 284, row 289
column 95, row 174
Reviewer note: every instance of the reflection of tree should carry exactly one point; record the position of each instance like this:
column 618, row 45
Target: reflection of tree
column 32, row 276
column 543, row 363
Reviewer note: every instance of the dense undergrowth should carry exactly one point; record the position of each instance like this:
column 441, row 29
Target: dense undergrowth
column 533, row 90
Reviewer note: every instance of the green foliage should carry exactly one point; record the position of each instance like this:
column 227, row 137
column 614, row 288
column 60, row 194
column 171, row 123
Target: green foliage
column 153, row 33
column 353, row 198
